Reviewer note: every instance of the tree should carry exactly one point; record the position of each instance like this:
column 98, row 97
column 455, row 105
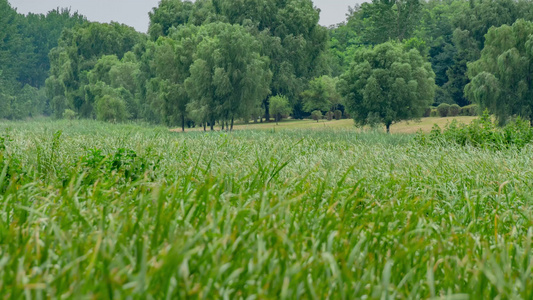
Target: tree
column 384, row 20
column 287, row 30
column 501, row 79
column 279, row 106
column 43, row 33
column 316, row 115
column 471, row 26
column 229, row 77
column 389, row 84
column 118, row 79
column 77, row 53
column 169, row 13
column 111, row 109
column 321, row 95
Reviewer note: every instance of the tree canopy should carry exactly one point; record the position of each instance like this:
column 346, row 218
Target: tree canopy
column 501, row 78
column 209, row 62
column 77, row 55
column 228, row 77
column 387, row 84
column 25, row 42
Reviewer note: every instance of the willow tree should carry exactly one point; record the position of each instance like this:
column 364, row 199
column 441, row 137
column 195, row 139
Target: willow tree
column 229, row 78
column 288, row 31
column 78, row 52
column 502, row 77
column 388, row 84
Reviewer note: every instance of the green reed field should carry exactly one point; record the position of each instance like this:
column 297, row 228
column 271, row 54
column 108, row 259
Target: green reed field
column 96, row 211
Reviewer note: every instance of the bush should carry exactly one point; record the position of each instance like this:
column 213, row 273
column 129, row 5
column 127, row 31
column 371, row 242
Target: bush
column 347, row 115
column 69, row 114
column 427, row 112
column 316, row 115
column 470, row 110
column 443, row 110
column 482, row 133
column 454, row 110
column 329, row 115
column 111, row 109
column 338, row 114
column 434, row 112
column 280, row 107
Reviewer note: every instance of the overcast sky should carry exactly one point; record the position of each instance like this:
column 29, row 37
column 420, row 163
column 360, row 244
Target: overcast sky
column 135, row 12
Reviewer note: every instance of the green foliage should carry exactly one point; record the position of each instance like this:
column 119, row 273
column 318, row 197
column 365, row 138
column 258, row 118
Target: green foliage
column 454, row 110
column 381, row 21
column 501, row 80
column 69, row 114
column 25, row 42
column 444, row 110
column 288, row 32
column 229, row 77
column 451, row 33
column 337, row 114
column 388, row 84
column 470, row 110
column 427, row 112
column 84, row 57
column 321, row 95
column 280, row 107
column 302, row 214
column 482, row 133
column 316, row 115
column 111, row 109
column 169, row 14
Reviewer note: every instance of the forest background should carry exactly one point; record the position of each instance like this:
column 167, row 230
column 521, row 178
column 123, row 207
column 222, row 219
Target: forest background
column 216, row 61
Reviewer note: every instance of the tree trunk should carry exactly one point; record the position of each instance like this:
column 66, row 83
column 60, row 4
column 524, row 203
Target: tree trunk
column 205, row 129
column 223, row 123
column 212, row 124
column 388, row 128
column 267, row 111
column 231, row 129
column 183, row 123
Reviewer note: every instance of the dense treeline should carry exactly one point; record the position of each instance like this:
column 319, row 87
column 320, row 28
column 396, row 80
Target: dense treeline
column 25, row 42
column 450, row 33
column 216, row 61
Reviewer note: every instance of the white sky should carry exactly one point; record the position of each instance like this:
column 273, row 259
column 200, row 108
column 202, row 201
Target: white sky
column 135, row 12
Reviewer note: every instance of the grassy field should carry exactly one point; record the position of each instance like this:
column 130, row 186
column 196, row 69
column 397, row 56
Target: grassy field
column 424, row 124
column 96, row 211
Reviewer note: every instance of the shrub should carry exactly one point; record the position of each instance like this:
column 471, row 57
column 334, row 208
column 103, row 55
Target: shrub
column 329, row 115
column 470, row 110
column 434, row 112
column 338, row 114
column 69, row 114
column 454, row 110
column 482, row 133
column 443, row 110
column 316, row 115
column 347, row 115
column 280, row 107
column 111, row 109
column 427, row 112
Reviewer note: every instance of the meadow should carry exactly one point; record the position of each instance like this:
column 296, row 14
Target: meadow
column 97, row 211
column 411, row 127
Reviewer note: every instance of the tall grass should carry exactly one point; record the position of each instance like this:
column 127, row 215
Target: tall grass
column 90, row 210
